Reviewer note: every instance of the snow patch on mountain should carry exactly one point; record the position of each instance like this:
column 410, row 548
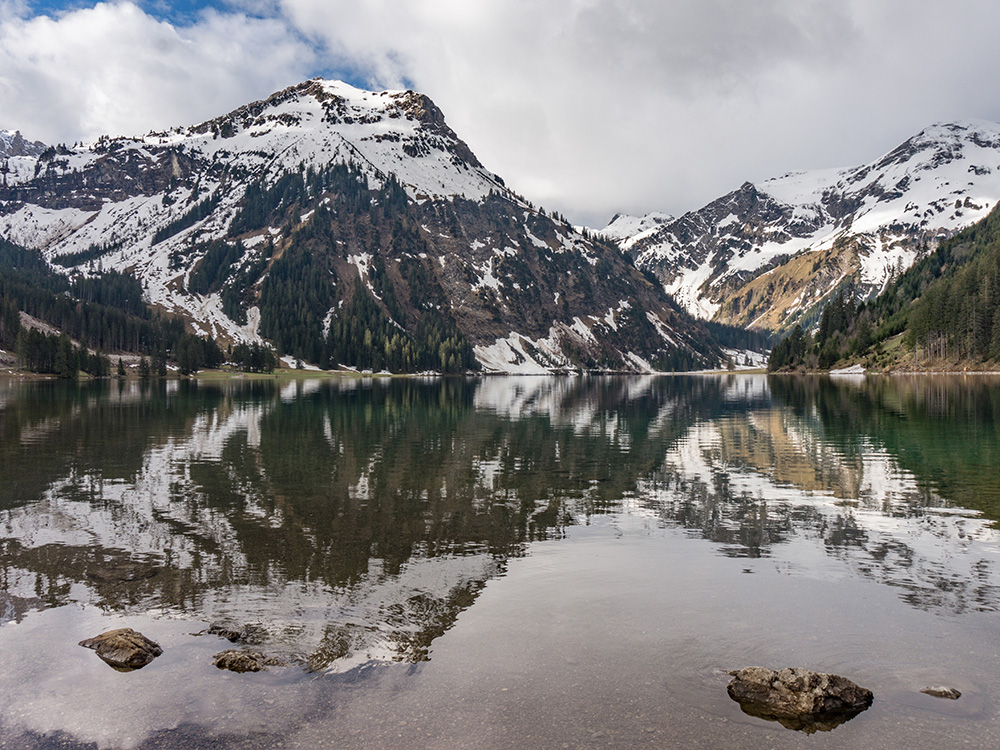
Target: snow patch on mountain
column 897, row 208
column 685, row 288
column 624, row 227
column 35, row 226
column 511, row 356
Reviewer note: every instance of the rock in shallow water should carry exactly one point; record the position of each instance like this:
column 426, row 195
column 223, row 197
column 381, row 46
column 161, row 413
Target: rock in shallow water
column 250, row 634
column 939, row 691
column 798, row 698
column 246, row 660
column 124, row 649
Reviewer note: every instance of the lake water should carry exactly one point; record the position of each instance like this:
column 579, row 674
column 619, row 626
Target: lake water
column 501, row 562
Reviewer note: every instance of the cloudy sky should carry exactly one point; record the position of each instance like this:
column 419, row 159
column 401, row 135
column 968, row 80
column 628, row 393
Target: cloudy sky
column 589, row 107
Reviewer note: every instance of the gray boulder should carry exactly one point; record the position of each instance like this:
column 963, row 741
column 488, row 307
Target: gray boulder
column 798, row 698
column 124, row 649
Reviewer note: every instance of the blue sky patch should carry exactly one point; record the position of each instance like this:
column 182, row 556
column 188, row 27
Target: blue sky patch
column 178, row 12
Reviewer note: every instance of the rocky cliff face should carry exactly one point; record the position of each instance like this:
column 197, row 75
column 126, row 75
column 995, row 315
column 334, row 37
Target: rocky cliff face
column 12, row 143
column 740, row 258
column 270, row 221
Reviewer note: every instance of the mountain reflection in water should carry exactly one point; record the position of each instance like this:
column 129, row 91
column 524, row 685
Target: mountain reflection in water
column 354, row 520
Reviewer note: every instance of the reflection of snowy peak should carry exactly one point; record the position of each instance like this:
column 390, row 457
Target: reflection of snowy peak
column 67, row 537
column 768, row 484
column 860, row 225
column 525, row 289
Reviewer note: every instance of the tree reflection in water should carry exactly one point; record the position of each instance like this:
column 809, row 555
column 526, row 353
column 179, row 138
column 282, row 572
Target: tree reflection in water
column 356, row 519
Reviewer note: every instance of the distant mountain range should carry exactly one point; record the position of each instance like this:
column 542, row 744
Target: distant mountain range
column 774, row 254
column 349, row 228
column 356, row 229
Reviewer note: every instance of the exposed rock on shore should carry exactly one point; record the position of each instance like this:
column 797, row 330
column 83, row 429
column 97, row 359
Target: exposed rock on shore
column 798, row 698
column 124, row 649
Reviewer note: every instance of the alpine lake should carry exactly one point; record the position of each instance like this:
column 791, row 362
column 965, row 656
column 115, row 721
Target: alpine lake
column 498, row 562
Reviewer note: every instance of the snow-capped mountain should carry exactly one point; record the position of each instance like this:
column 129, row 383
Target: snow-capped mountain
column 624, row 228
column 12, row 143
column 222, row 223
column 768, row 255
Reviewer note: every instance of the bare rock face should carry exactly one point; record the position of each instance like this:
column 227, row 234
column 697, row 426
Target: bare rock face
column 124, row 649
column 798, row 698
column 246, row 660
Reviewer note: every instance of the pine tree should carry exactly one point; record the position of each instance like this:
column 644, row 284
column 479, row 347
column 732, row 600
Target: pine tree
column 65, row 359
column 10, row 324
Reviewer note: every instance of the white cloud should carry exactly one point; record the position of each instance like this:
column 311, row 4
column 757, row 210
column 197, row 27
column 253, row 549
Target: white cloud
column 593, row 106
column 114, row 69
column 587, row 106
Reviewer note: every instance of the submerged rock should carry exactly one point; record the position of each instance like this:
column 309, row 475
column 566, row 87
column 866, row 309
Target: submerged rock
column 229, row 632
column 120, row 571
column 798, row 698
column 939, row 691
column 124, row 649
column 249, row 634
column 246, row 660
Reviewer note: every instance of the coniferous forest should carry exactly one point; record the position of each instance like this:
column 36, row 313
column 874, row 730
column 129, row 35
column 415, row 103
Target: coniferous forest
column 106, row 312
column 395, row 322
column 293, row 289
column 946, row 306
column 336, row 271
column 103, row 313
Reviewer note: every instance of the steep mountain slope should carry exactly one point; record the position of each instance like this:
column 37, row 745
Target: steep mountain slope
column 947, row 305
column 326, row 213
column 770, row 255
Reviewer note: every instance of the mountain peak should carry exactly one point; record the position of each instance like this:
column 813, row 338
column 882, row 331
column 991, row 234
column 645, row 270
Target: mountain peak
column 887, row 212
column 12, row 143
column 970, row 129
column 318, row 122
column 625, row 226
column 350, row 228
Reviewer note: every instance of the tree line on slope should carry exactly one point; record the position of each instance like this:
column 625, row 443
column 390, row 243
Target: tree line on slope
column 104, row 313
column 376, row 320
column 947, row 304
column 305, row 309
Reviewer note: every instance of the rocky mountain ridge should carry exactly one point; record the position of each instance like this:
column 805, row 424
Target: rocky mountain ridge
column 12, row 143
column 770, row 255
column 291, row 217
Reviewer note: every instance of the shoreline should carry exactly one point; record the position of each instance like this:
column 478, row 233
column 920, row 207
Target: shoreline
column 291, row 374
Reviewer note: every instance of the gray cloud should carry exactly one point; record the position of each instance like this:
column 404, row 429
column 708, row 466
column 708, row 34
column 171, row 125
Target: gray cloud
column 587, row 106
column 595, row 106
